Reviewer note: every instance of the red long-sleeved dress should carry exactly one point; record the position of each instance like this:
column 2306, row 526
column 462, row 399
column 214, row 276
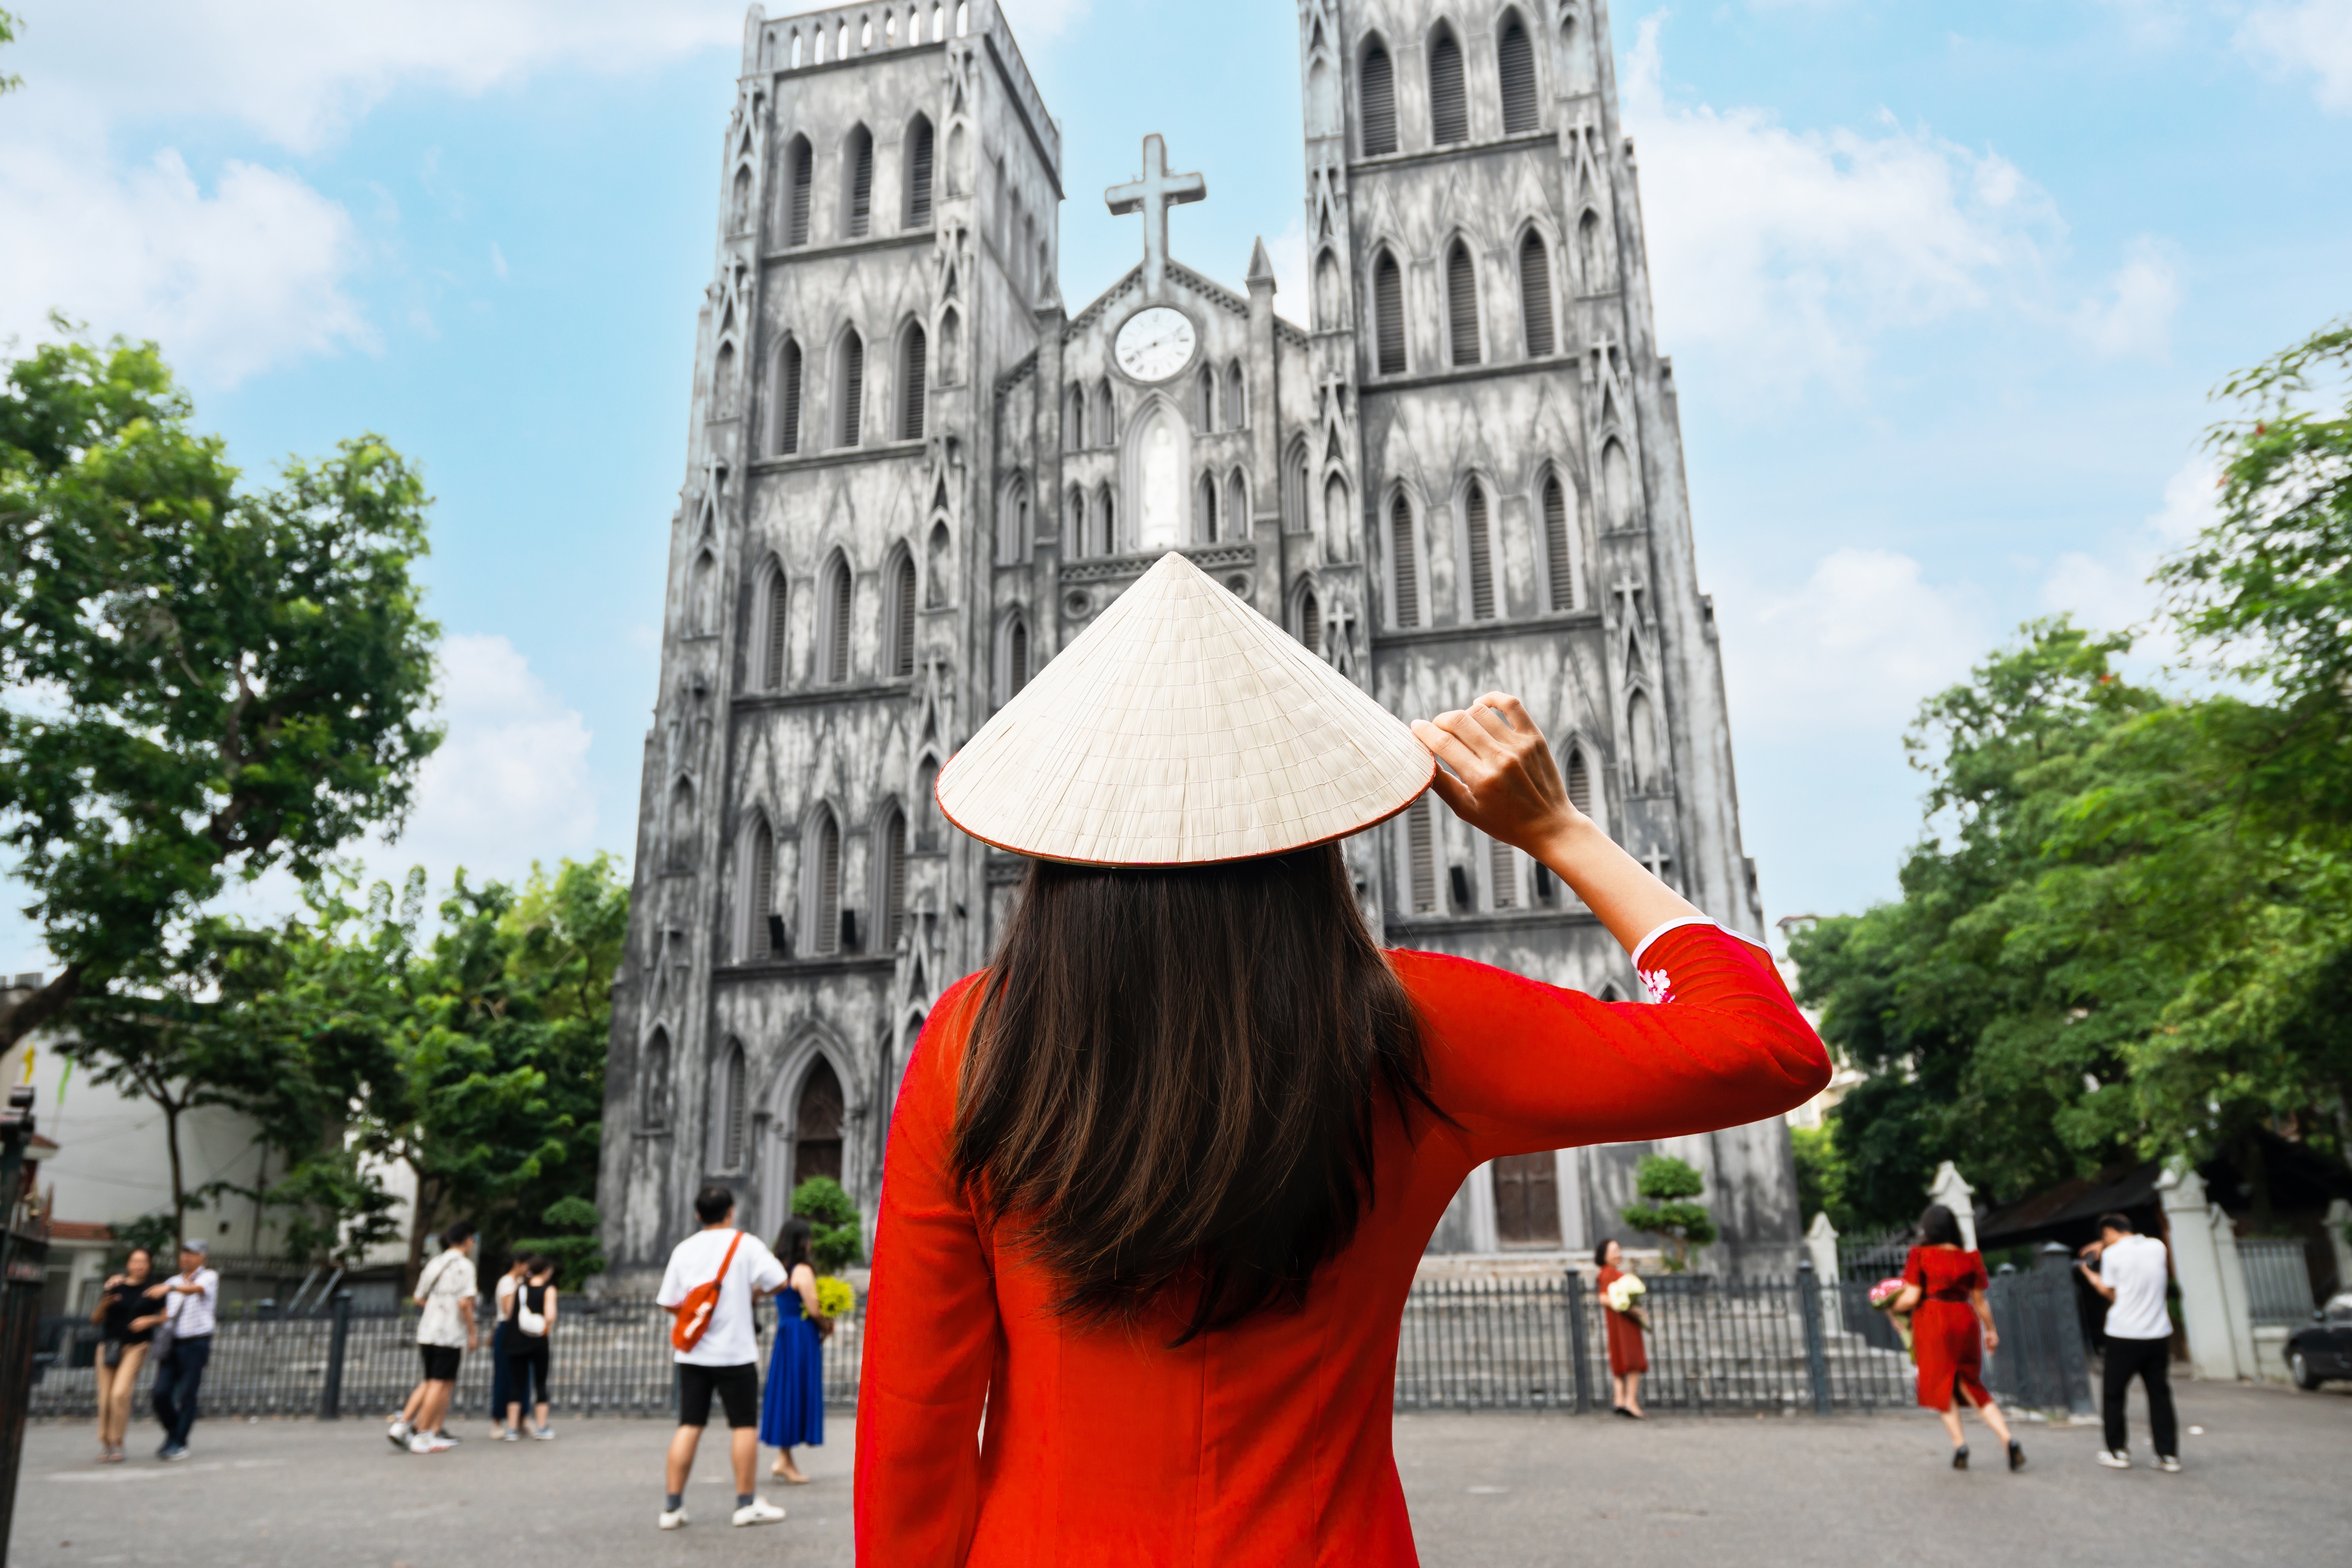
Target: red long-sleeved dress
column 1944, row 1341
column 1267, row 1443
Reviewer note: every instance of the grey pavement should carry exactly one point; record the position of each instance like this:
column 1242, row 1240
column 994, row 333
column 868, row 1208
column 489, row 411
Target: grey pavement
column 2266, row 1482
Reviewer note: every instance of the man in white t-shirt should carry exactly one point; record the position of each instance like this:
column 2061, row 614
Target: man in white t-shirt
column 725, row 1361
column 445, row 1332
column 191, row 1302
column 2130, row 1273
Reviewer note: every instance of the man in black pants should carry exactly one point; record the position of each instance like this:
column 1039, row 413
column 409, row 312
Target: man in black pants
column 189, row 1302
column 2130, row 1273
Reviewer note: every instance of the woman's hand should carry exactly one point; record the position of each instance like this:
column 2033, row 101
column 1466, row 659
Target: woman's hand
column 1992, row 1338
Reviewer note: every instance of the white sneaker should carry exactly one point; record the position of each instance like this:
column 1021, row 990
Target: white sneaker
column 2168, row 1464
column 2118, row 1459
column 399, row 1432
column 759, row 1511
column 426, row 1443
column 544, row 1434
column 673, row 1519
column 510, row 1436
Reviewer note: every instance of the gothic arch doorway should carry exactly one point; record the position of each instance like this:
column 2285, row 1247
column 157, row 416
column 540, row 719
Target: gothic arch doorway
column 815, row 1124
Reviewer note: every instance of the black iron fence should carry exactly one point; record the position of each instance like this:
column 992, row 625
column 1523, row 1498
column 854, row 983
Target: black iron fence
column 1509, row 1344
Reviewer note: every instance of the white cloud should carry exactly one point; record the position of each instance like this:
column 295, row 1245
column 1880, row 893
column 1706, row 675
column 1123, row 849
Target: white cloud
column 1855, row 648
column 234, row 281
column 2306, row 35
column 2132, row 316
column 2109, row 590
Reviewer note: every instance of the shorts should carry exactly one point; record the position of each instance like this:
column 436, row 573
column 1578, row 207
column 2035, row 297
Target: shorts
column 441, row 1361
column 737, row 1388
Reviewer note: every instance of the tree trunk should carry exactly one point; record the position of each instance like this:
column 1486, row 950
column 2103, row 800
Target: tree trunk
column 39, row 1007
column 179, row 1186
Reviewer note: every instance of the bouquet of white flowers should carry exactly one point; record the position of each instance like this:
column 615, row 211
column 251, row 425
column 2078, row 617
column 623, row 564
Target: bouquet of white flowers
column 1623, row 1296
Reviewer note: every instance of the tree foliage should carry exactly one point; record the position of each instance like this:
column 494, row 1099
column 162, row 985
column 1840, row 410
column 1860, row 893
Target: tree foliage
column 838, row 1238
column 1667, row 1186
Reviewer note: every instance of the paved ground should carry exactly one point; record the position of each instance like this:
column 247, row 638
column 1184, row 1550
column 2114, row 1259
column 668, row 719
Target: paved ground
column 2266, row 1482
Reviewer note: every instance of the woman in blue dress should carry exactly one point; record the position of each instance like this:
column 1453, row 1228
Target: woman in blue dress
column 791, row 1410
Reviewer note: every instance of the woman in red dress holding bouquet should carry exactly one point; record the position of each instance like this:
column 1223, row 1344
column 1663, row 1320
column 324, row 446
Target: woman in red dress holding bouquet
column 1944, row 1291
column 1628, row 1360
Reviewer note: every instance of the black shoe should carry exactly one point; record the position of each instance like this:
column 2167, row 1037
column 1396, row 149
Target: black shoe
column 1960, row 1458
column 2016, row 1455
column 1623, row 1411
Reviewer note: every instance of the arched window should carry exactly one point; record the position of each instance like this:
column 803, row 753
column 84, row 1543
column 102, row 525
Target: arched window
column 951, row 347
column 1421, row 854
column 653, row 1094
column 1336, row 520
column 1074, row 420
column 935, row 566
column 732, row 1115
column 1515, row 64
column 901, row 602
column 1502, row 874
column 1105, row 523
column 788, row 398
column 1237, row 507
column 1377, row 88
column 1106, row 416
column 1642, row 737
column 1535, row 294
column 1205, row 510
column 927, row 811
column 1310, row 623
column 1579, row 782
column 760, row 894
column 1482, row 554
column 1204, row 399
column 702, row 593
column 1587, row 241
column 1406, row 562
column 1388, row 316
column 799, row 172
column 890, row 894
column 817, row 1125
column 1560, row 560
column 1294, row 490
column 849, row 390
column 1014, row 670
column 1617, row 484
column 681, row 826
column 776, row 599
column 824, row 885
column 919, row 145
column 1449, row 105
column 739, row 205
column 1236, row 400
column 913, row 352
column 832, row 635
column 1462, row 304
column 1159, row 468
column 858, row 195
column 1012, row 524
column 1073, row 521
column 722, row 382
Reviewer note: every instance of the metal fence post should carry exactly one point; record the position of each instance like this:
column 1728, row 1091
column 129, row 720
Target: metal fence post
column 339, row 1338
column 1817, row 1365
column 1579, row 1357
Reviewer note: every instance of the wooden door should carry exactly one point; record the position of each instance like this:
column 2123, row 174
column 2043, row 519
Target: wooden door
column 1527, row 1200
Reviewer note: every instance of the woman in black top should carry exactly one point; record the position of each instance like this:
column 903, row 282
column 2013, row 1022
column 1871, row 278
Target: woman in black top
column 531, row 1320
column 126, row 1323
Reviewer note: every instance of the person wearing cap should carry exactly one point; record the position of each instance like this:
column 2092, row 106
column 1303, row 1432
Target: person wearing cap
column 1157, row 1180
column 191, row 1303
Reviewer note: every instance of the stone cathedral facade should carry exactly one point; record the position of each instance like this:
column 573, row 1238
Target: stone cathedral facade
column 914, row 473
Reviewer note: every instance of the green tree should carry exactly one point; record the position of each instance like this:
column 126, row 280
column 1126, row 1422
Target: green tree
column 573, row 1244
column 8, row 25
column 838, row 1238
column 1668, row 1186
column 202, row 680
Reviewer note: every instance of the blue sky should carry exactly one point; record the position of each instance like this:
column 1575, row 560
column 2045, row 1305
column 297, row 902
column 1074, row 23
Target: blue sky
column 1944, row 306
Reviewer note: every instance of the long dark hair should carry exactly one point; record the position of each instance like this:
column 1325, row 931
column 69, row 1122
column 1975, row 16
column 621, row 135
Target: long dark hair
column 1171, row 1082
column 793, row 1242
column 1938, row 1227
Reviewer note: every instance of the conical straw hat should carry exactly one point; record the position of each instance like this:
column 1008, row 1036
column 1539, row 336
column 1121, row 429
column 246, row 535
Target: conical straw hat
column 1181, row 728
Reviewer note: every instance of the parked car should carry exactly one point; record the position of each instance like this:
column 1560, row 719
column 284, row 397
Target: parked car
column 2322, row 1349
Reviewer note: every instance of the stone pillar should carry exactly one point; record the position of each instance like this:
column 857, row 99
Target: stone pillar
column 2235, row 1291
column 2197, row 1265
column 1951, row 1190
column 1821, row 1247
column 2339, row 1237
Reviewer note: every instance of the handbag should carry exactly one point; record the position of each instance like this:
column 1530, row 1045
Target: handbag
column 693, row 1314
column 159, row 1344
column 531, row 1322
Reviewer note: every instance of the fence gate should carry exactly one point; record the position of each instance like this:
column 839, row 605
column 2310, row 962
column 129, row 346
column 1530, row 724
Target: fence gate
column 2043, row 1363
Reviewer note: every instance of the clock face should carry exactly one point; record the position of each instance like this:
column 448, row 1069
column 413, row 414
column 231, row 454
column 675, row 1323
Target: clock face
column 1155, row 343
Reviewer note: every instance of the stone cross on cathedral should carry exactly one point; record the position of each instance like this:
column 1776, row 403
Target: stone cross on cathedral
column 1152, row 196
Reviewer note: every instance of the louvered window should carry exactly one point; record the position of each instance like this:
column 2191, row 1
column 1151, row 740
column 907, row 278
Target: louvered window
column 1205, row 510
column 1016, row 658
column 852, row 389
column 910, row 385
column 1588, row 237
column 918, row 177
column 825, row 921
column 1310, row 624
column 788, row 401
column 902, row 617
column 1421, row 850
column 763, row 893
column 1379, row 86
column 1514, row 62
column 1388, row 316
column 1503, row 874
column 1449, row 106
column 1556, row 544
column 894, row 879
column 1107, row 507
column 1407, row 565
column 1462, row 304
column 861, row 183
column 732, row 1118
column 1580, row 781
column 836, row 621
column 1204, row 399
column 779, row 600
column 1535, row 294
column 796, row 222
column 1482, row 554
